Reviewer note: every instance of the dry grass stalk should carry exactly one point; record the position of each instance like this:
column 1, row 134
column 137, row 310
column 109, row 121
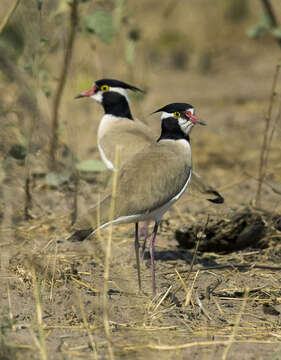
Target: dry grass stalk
column 190, row 269
column 81, row 283
column 9, row 14
column 195, row 344
column 236, row 325
column 202, row 307
column 86, row 324
column 10, row 305
column 62, row 81
column 53, row 273
column 265, row 149
column 188, row 295
column 163, row 298
column 108, row 253
column 41, row 343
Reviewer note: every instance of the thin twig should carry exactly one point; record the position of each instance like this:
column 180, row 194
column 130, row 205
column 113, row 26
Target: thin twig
column 53, row 274
column 267, row 135
column 74, row 212
column 62, row 81
column 27, row 198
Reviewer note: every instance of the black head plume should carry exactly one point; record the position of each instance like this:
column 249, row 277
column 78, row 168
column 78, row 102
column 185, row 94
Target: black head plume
column 180, row 107
column 117, row 83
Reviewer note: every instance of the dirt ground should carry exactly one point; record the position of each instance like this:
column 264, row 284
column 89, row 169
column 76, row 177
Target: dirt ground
column 222, row 300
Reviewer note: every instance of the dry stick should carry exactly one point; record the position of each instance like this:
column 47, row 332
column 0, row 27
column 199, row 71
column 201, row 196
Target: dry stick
column 53, row 274
column 234, row 332
column 9, row 14
column 277, row 118
column 74, row 212
column 108, row 254
column 28, row 198
column 62, row 81
column 264, row 148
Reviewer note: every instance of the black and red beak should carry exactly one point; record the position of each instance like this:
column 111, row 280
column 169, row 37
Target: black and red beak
column 194, row 119
column 87, row 93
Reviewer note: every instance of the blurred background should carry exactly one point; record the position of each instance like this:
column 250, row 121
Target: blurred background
column 218, row 55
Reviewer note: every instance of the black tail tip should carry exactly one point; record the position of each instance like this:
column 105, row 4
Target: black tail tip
column 218, row 198
column 80, row 235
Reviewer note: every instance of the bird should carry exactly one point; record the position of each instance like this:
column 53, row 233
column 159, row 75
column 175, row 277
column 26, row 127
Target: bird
column 119, row 127
column 150, row 182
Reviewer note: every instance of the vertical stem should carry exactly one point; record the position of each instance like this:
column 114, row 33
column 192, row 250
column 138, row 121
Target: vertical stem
column 62, row 81
column 28, row 198
column 75, row 198
column 265, row 144
column 108, row 254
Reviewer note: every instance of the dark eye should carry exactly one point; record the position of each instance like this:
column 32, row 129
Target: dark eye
column 104, row 88
column 177, row 114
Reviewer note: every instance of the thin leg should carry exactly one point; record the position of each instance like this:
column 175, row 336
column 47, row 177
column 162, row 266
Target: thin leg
column 137, row 246
column 152, row 243
column 144, row 229
column 144, row 232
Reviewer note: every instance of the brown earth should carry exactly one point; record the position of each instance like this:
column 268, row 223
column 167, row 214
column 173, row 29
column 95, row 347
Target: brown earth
column 227, row 298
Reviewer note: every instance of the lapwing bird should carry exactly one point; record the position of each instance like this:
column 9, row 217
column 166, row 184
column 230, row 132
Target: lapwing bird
column 118, row 127
column 150, row 182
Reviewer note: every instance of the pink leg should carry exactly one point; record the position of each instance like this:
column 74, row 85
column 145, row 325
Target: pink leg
column 144, row 233
column 152, row 243
column 137, row 246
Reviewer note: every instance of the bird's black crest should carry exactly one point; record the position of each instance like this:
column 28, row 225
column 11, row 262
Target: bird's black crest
column 116, row 83
column 174, row 107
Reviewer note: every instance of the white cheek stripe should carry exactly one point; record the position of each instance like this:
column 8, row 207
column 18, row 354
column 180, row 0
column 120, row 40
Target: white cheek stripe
column 166, row 115
column 99, row 95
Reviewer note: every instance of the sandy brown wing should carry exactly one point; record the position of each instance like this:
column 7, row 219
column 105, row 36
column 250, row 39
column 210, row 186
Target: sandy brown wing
column 152, row 178
column 130, row 135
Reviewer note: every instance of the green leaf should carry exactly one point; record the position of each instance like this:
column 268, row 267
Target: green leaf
column 265, row 20
column 276, row 32
column 56, row 179
column 91, row 165
column 256, row 31
column 100, row 23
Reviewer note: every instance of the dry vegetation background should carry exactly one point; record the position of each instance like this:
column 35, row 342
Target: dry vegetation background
column 197, row 51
